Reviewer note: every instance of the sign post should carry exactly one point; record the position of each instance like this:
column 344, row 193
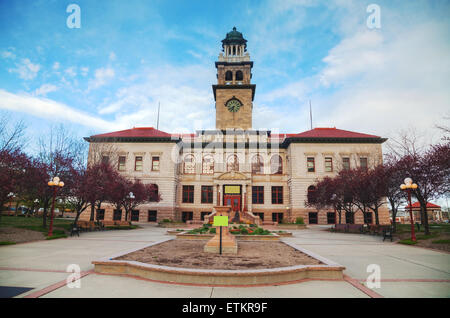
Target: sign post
column 220, row 221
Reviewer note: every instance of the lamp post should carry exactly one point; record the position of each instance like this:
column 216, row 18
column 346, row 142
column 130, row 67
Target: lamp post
column 407, row 186
column 131, row 197
column 55, row 183
column 36, row 203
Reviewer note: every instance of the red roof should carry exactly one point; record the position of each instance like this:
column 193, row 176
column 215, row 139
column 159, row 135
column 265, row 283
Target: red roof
column 429, row 205
column 135, row 132
column 332, row 133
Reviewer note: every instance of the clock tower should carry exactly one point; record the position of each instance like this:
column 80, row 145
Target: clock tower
column 234, row 92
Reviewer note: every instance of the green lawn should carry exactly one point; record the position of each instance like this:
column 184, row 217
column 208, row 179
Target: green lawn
column 34, row 223
column 434, row 228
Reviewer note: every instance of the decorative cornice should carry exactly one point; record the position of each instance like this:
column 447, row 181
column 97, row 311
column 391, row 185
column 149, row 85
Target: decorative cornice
column 243, row 86
column 133, row 139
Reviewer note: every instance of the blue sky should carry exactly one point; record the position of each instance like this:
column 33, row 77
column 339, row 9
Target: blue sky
column 129, row 55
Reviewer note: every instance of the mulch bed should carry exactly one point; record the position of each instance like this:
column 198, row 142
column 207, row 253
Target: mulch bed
column 12, row 234
column 251, row 255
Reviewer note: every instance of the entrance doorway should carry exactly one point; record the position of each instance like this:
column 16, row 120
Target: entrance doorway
column 234, row 201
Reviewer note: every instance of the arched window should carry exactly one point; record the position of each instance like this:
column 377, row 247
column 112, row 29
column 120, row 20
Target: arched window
column 228, row 76
column 312, row 194
column 154, row 193
column 239, row 76
column 276, row 165
column 257, row 165
column 189, row 164
column 208, row 165
column 233, row 163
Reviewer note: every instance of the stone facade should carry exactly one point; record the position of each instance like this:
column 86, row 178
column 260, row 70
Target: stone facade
column 259, row 173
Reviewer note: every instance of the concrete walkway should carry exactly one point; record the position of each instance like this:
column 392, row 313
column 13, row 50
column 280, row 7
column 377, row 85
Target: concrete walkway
column 405, row 271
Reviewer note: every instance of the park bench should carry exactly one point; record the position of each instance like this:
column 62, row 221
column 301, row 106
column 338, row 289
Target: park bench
column 74, row 229
column 340, row 228
column 375, row 229
column 83, row 225
column 387, row 232
column 354, row 228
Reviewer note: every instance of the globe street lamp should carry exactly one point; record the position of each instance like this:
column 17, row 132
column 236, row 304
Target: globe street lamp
column 36, row 209
column 55, row 183
column 407, row 186
column 131, row 197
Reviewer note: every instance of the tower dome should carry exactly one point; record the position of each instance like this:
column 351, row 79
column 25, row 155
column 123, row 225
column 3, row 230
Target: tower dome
column 234, row 37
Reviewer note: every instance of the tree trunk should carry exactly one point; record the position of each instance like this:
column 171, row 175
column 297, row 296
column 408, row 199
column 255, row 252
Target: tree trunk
column 394, row 223
column 425, row 219
column 92, row 211
column 377, row 220
column 44, row 214
column 17, row 206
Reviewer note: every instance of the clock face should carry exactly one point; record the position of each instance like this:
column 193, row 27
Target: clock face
column 233, row 105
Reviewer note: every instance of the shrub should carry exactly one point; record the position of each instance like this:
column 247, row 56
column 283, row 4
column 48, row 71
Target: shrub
column 299, row 220
column 212, row 231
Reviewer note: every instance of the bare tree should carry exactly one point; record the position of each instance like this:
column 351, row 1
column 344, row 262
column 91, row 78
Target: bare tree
column 12, row 133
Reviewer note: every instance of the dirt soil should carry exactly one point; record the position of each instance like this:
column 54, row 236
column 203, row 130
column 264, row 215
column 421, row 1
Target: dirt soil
column 12, row 234
column 251, row 255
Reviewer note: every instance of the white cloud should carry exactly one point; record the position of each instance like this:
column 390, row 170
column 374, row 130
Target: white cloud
column 184, row 93
column 8, row 55
column 102, row 76
column 71, row 71
column 84, row 71
column 51, row 110
column 112, row 56
column 56, row 65
column 45, row 89
column 26, row 69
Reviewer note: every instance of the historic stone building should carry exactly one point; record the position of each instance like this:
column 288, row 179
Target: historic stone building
column 258, row 173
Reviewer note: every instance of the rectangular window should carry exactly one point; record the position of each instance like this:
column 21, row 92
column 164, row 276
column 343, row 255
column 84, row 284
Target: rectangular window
column 277, row 217
column 349, row 218
column 138, row 163
column 368, row 217
column 277, row 195
column 187, row 216
column 155, row 163
column 311, row 164
column 152, row 216
column 188, row 194
column 328, row 164
column 346, row 163
column 135, row 215
column 207, row 194
column 100, row 214
column 203, row 214
column 258, row 195
column 312, row 218
column 117, row 215
column 363, row 163
column 122, row 160
column 331, row 218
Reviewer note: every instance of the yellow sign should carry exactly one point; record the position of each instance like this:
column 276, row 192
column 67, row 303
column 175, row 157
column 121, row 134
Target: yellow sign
column 232, row 189
column 220, row 221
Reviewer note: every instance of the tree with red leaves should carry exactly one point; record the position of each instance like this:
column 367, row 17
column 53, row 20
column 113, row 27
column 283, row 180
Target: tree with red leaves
column 13, row 164
column 430, row 171
column 100, row 178
column 328, row 193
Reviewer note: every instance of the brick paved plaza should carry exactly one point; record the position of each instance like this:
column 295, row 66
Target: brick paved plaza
column 405, row 271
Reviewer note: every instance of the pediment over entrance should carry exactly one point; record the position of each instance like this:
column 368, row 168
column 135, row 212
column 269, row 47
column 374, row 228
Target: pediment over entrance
column 232, row 175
